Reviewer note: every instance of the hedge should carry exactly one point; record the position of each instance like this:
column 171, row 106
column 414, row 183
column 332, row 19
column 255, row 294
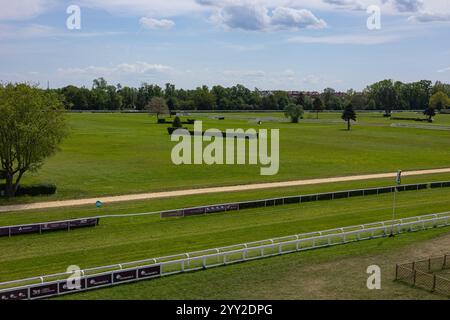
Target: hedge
column 33, row 190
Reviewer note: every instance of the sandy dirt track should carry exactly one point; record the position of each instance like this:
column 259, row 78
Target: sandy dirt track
column 187, row 192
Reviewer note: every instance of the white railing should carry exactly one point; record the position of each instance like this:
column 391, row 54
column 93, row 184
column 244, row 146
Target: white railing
column 209, row 258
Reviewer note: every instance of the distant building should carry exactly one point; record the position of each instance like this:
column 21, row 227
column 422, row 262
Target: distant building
column 295, row 94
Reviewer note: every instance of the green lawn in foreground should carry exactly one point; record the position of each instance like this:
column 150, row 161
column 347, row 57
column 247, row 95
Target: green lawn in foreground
column 126, row 239
column 329, row 273
column 110, row 154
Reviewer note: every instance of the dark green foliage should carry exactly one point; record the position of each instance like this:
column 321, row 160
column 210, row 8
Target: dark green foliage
column 384, row 95
column 177, row 123
column 348, row 115
column 294, row 112
column 34, row 190
column 430, row 112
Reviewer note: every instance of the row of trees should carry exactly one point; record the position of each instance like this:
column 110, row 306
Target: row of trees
column 384, row 95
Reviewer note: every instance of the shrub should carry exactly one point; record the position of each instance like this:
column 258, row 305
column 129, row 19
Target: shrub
column 34, row 190
column 161, row 121
column 177, row 123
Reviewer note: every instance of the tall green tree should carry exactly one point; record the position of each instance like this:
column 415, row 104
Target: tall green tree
column 293, row 111
column 318, row 106
column 348, row 115
column 439, row 101
column 32, row 125
column 430, row 113
column 384, row 95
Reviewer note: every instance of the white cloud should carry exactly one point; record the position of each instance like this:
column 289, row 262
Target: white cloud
column 444, row 70
column 8, row 31
column 149, row 8
column 11, row 10
column 408, row 5
column 345, row 39
column 254, row 16
column 297, row 19
column 250, row 16
column 430, row 17
column 151, row 23
column 120, row 69
column 347, row 4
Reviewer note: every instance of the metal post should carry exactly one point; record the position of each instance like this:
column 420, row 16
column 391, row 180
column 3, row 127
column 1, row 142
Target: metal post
column 434, row 283
column 393, row 212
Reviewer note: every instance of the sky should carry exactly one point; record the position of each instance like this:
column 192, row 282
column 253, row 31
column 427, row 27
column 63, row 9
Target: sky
column 270, row 45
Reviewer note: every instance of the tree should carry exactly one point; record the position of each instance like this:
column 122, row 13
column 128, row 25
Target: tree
column 318, row 106
column 439, row 101
column 294, row 112
column 430, row 113
column 32, row 125
column 203, row 99
column 384, row 94
column 330, row 99
column 348, row 115
column 177, row 123
column 158, row 106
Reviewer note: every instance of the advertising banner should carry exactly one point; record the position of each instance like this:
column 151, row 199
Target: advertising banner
column 147, row 272
column 96, row 281
column 44, row 290
column 122, row 276
column 19, row 294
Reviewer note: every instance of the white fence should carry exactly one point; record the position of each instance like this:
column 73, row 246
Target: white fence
column 35, row 287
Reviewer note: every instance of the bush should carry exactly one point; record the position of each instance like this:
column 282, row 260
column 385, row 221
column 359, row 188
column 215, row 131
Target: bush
column 170, row 130
column 177, row 123
column 161, row 121
column 33, row 190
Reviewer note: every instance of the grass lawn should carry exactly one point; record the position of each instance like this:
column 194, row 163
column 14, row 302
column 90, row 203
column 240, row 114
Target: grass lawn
column 111, row 154
column 330, row 273
column 126, row 239
column 53, row 214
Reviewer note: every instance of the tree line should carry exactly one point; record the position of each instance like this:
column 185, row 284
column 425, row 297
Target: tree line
column 384, row 95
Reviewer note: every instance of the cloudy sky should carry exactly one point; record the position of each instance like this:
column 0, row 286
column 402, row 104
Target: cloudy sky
column 277, row 44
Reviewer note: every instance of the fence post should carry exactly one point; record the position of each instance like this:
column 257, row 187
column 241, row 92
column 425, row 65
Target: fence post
column 396, row 272
column 414, row 276
column 434, row 283
column 429, row 264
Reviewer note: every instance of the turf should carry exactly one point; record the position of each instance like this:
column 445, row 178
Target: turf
column 45, row 215
column 126, row 239
column 111, row 154
column 330, row 273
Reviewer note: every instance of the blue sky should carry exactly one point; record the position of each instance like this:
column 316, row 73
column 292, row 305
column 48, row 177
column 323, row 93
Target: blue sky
column 278, row 44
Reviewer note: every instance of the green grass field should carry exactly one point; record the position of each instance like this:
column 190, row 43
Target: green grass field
column 111, row 154
column 330, row 273
column 126, row 239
